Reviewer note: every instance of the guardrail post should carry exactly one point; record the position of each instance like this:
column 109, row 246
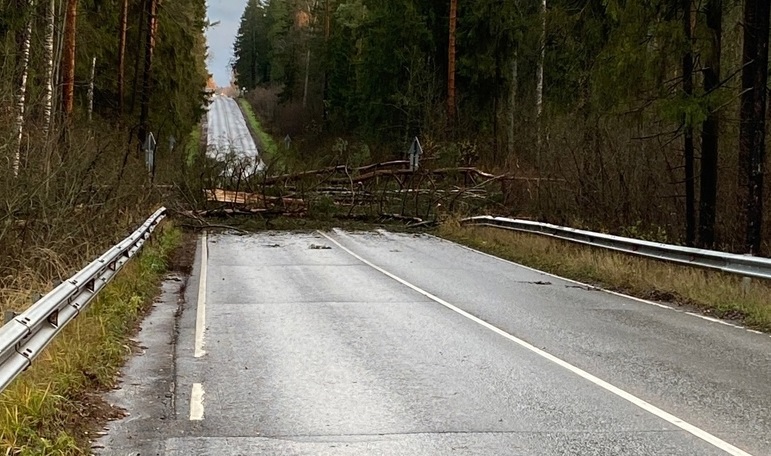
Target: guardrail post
column 746, row 285
column 742, row 265
column 25, row 335
column 8, row 316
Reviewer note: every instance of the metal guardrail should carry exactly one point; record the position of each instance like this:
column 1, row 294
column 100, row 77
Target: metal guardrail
column 25, row 336
column 745, row 265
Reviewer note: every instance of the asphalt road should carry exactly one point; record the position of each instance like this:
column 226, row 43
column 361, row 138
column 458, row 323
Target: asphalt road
column 394, row 344
column 228, row 135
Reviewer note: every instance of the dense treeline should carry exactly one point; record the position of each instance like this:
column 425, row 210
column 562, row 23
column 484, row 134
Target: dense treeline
column 645, row 116
column 115, row 35
column 82, row 84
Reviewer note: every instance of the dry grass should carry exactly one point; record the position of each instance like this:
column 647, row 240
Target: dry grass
column 713, row 293
column 49, row 409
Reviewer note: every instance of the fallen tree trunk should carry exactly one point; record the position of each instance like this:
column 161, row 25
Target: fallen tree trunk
column 406, row 172
column 227, row 196
column 232, row 212
column 334, row 169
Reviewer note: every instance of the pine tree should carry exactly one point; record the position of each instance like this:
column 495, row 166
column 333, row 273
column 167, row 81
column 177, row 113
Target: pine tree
column 710, row 129
column 753, row 115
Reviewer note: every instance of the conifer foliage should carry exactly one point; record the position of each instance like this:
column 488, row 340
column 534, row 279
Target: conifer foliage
column 150, row 65
column 650, row 111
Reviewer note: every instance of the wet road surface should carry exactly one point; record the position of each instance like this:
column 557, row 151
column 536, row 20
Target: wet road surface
column 380, row 343
column 228, row 136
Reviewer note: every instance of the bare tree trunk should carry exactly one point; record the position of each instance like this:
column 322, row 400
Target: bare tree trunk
column 307, row 77
column 68, row 59
column 91, row 91
column 58, row 52
column 540, row 72
column 152, row 27
column 21, row 95
column 710, row 129
column 48, row 87
column 753, row 115
column 122, row 55
column 451, row 62
column 327, row 32
column 513, row 102
column 688, row 150
column 137, row 63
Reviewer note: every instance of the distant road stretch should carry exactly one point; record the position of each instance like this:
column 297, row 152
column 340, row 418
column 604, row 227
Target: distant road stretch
column 228, row 132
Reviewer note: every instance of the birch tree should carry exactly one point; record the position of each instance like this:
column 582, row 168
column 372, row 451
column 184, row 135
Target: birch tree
column 91, row 91
column 48, row 84
column 21, row 94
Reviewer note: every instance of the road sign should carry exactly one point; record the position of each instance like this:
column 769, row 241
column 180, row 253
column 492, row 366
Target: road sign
column 149, row 146
column 414, row 154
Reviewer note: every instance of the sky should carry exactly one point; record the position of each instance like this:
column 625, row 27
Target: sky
column 222, row 36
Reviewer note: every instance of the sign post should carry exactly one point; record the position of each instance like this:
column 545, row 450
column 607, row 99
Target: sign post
column 149, row 146
column 414, row 154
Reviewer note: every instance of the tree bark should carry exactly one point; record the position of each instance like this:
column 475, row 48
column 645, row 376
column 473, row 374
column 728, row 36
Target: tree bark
column 58, row 52
column 48, row 87
column 710, row 130
column 307, row 78
column 753, row 116
column 451, row 63
column 152, row 27
column 21, row 95
column 91, row 91
column 68, row 59
column 141, row 33
column 513, row 102
column 325, row 83
column 688, row 150
column 122, row 56
column 540, row 81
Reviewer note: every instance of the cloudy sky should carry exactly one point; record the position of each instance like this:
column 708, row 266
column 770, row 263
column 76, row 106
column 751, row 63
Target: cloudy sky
column 221, row 37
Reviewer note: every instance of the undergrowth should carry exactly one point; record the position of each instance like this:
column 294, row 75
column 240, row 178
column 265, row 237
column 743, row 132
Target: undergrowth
column 267, row 144
column 713, row 293
column 47, row 410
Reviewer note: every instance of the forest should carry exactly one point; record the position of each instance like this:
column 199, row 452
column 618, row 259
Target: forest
column 639, row 117
column 83, row 83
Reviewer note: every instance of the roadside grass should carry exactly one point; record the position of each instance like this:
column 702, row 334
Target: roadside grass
column 51, row 407
column 269, row 146
column 713, row 293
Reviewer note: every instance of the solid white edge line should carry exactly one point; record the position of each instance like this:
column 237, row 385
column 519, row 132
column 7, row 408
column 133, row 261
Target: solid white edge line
column 196, row 402
column 691, row 429
column 604, row 290
column 200, row 317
